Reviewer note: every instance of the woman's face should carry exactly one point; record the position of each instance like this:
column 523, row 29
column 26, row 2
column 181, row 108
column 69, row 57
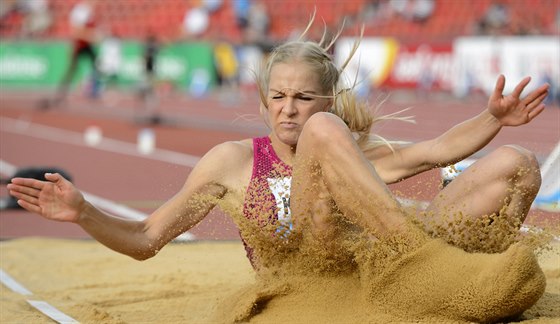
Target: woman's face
column 291, row 100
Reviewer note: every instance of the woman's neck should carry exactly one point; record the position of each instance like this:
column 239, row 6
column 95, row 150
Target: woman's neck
column 285, row 152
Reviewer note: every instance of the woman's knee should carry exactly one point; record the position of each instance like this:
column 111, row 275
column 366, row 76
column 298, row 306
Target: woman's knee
column 323, row 128
column 518, row 162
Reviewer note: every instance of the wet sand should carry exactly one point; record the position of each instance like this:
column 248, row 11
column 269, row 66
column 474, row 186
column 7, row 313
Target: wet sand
column 186, row 283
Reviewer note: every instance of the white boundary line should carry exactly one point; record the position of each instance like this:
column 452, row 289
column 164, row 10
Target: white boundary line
column 11, row 283
column 40, row 305
column 51, row 311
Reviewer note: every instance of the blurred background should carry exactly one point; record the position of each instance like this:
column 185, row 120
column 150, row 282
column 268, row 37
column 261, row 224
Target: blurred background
column 172, row 78
column 203, row 45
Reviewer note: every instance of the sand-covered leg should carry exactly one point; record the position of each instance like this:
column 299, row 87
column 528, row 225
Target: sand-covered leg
column 442, row 281
column 482, row 208
column 334, row 175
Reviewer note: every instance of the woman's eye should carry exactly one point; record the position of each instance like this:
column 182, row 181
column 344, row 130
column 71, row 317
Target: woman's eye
column 305, row 98
column 277, row 97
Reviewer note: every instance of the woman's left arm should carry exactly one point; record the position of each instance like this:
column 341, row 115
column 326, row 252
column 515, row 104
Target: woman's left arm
column 467, row 137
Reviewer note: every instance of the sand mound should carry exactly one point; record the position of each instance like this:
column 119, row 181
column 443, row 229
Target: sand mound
column 203, row 282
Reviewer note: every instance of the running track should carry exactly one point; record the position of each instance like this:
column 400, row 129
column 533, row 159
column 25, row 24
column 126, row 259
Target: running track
column 114, row 170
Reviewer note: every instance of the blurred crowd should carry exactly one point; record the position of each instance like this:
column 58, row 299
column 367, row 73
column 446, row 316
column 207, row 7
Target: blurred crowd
column 266, row 21
column 241, row 29
column 35, row 16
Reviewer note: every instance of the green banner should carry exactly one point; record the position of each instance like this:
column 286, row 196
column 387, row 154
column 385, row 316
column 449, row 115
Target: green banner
column 43, row 64
column 32, row 64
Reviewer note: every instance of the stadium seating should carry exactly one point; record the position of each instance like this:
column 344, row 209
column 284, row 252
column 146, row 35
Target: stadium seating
column 134, row 18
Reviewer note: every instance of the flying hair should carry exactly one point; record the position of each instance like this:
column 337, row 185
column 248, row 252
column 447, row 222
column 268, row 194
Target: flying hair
column 357, row 113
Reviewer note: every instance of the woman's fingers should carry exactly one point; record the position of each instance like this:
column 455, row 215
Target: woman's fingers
column 28, row 182
column 29, row 191
column 27, row 194
column 29, row 206
column 22, row 196
column 54, row 177
column 540, row 92
column 536, row 111
column 498, row 88
column 520, row 87
column 537, row 101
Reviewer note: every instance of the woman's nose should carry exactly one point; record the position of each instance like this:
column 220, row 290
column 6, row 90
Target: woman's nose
column 289, row 107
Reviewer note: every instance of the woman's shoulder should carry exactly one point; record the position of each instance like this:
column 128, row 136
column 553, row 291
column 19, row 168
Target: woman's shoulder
column 241, row 147
column 232, row 151
column 229, row 163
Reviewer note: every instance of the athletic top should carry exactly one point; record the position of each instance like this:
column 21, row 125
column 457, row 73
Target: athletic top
column 267, row 198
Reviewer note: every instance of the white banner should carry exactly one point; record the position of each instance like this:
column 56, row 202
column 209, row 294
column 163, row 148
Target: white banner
column 466, row 65
column 479, row 61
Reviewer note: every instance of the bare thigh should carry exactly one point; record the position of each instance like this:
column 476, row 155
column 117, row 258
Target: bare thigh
column 493, row 194
column 333, row 179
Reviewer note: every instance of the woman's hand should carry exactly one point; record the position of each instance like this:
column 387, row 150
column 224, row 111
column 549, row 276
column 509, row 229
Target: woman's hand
column 55, row 199
column 512, row 110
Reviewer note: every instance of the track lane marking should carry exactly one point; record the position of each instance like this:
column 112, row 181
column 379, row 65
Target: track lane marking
column 26, row 128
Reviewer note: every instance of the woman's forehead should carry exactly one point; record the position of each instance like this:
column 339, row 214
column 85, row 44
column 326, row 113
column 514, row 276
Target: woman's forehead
column 295, row 76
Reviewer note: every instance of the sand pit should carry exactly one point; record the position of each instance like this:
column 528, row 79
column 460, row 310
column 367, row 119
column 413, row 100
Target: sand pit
column 185, row 283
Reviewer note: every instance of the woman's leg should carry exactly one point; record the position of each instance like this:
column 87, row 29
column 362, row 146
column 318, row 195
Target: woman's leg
column 330, row 172
column 492, row 196
column 330, row 167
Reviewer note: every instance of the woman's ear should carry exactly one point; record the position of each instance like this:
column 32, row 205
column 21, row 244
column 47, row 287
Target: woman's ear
column 328, row 105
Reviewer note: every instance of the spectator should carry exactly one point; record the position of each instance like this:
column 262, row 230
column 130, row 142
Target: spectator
column 7, row 7
column 241, row 9
column 399, row 7
column 84, row 33
column 38, row 17
column 496, row 19
column 195, row 22
column 227, row 66
column 147, row 92
column 413, row 10
column 555, row 25
column 258, row 26
column 110, row 58
column 422, row 10
column 212, row 5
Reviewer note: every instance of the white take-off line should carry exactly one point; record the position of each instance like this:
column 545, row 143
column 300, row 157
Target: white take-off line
column 42, row 306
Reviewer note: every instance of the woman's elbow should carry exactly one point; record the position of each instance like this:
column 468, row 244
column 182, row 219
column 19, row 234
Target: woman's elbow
column 144, row 255
column 146, row 251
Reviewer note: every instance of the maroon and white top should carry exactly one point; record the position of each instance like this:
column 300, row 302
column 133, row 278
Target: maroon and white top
column 267, row 198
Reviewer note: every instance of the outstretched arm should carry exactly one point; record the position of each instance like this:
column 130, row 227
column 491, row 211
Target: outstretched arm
column 58, row 199
column 467, row 137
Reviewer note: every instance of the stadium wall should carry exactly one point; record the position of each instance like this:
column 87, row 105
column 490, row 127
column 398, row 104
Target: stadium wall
column 43, row 64
column 467, row 64
column 462, row 66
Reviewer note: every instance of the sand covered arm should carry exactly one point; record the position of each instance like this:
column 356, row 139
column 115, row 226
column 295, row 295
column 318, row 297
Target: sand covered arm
column 58, row 199
column 466, row 138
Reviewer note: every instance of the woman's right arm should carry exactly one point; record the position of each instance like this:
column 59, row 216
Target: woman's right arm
column 58, row 199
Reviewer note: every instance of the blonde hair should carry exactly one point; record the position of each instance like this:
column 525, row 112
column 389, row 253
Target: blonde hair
column 356, row 113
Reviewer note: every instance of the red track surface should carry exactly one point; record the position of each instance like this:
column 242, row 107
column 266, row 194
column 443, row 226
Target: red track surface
column 192, row 127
